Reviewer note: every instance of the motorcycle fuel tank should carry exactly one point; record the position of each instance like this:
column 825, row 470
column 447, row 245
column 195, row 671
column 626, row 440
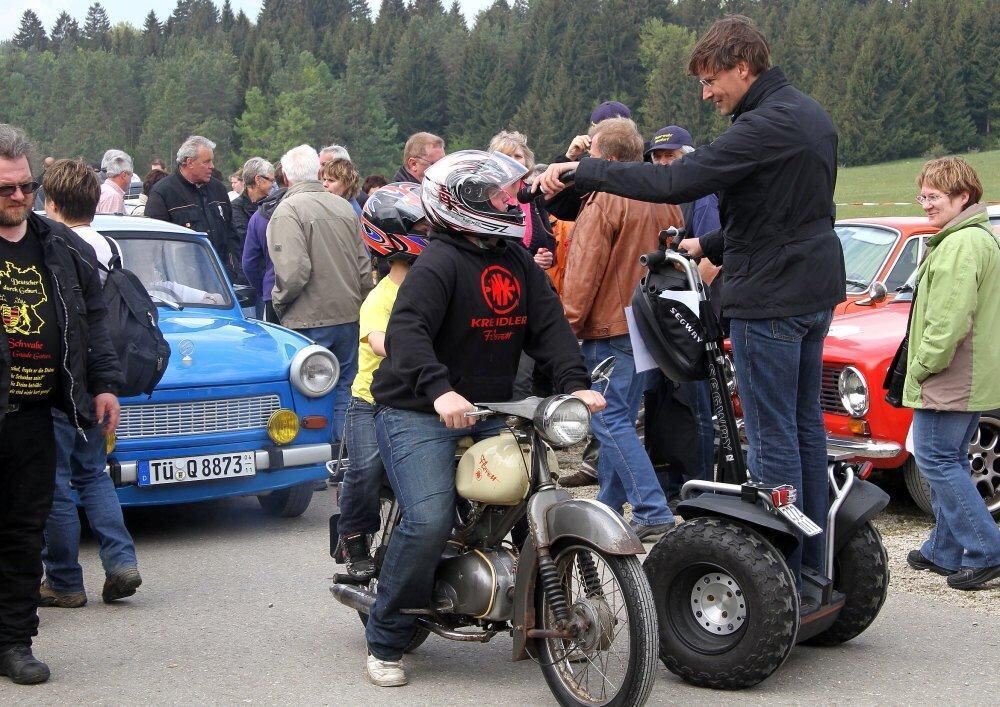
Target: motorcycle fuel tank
column 493, row 471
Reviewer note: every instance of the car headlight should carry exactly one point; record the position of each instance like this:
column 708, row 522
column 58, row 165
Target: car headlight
column 314, row 371
column 562, row 420
column 853, row 389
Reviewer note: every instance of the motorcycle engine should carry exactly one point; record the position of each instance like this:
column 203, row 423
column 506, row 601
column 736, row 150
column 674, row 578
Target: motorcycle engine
column 477, row 583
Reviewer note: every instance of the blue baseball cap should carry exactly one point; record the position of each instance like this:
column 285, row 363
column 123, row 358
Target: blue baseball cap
column 609, row 109
column 672, row 137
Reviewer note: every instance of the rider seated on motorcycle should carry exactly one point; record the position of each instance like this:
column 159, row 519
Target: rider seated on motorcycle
column 468, row 308
column 394, row 230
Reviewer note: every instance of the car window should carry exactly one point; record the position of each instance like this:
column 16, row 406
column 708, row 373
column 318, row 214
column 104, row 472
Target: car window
column 176, row 271
column 905, row 264
column 865, row 250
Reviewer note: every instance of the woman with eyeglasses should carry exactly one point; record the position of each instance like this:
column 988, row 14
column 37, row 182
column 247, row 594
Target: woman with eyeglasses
column 952, row 368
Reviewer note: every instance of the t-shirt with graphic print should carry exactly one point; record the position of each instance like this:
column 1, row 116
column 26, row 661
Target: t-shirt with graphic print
column 461, row 319
column 29, row 320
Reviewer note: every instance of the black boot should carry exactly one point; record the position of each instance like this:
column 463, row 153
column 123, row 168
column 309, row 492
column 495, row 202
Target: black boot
column 19, row 665
column 360, row 565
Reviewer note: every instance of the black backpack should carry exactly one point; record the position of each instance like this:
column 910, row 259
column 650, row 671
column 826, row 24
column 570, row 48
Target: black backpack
column 133, row 325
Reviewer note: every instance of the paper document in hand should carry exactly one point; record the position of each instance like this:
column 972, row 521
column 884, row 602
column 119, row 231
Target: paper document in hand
column 640, row 353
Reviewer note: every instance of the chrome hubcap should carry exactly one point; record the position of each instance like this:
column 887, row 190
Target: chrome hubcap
column 718, row 604
column 984, row 458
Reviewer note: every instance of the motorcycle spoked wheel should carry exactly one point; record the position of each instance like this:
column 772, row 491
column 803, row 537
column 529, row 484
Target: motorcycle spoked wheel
column 614, row 661
column 386, row 499
column 726, row 603
column 861, row 572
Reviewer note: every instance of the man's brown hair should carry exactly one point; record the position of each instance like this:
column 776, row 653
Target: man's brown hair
column 619, row 139
column 418, row 143
column 73, row 187
column 951, row 176
column 729, row 41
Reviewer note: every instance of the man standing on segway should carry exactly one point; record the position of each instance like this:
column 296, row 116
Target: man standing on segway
column 775, row 170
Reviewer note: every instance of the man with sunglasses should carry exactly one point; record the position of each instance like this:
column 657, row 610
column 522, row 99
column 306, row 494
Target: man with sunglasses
column 774, row 170
column 55, row 352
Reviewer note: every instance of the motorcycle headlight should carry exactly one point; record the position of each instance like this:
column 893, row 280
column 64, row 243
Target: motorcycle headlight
column 853, row 389
column 314, row 371
column 562, row 420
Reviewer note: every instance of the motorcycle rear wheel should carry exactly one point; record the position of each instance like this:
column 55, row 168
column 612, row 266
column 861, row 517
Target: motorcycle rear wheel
column 614, row 662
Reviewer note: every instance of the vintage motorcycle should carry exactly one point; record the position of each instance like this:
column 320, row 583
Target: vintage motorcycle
column 729, row 613
column 573, row 596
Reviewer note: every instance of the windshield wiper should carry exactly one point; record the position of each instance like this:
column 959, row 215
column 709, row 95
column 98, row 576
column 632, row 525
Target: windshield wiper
column 857, row 283
column 173, row 305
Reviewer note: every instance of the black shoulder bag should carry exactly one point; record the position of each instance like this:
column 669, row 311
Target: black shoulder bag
column 895, row 377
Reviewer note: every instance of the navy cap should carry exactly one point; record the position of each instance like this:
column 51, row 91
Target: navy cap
column 610, row 109
column 672, row 137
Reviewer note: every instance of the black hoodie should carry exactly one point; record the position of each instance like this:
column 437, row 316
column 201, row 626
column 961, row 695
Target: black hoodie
column 461, row 319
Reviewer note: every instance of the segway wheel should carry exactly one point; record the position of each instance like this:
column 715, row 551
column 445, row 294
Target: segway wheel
column 861, row 572
column 726, row 603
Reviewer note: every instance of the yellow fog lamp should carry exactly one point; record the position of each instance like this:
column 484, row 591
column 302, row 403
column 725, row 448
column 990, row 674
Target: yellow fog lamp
column 282, row 426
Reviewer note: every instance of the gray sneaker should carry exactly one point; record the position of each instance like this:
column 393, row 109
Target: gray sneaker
column 121, row 584
column 385, row 673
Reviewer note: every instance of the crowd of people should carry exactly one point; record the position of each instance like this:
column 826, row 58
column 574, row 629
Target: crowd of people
column 475, row 275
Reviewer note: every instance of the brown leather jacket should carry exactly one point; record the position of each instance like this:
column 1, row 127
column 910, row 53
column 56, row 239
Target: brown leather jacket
column 603, row 268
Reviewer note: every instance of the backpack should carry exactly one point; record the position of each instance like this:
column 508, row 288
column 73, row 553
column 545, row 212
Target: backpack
column 133, row 326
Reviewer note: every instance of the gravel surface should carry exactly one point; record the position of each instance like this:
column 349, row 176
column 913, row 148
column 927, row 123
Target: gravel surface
column 903, row 527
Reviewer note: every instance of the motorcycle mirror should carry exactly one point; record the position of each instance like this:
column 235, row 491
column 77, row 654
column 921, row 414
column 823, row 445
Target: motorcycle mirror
column 602, row 371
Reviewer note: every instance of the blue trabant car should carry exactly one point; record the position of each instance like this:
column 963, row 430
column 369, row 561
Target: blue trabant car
column 244, row 408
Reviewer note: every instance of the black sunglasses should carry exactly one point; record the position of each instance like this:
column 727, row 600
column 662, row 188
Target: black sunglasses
column 26, row 188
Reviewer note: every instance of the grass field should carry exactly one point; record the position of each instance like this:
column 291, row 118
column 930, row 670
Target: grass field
column 893, row 182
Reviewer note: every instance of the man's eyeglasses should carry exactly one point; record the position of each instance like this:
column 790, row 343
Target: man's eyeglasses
column 931, row 199
column 710, row 81
column 26, row 188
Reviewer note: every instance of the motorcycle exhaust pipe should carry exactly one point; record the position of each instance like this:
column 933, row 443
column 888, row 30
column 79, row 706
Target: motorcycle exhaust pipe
column 355, row 597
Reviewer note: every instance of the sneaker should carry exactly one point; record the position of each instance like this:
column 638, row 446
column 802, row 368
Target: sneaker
column 360, row 565
column 973, row 577
column 580, row 477
column 917, row 561
column 121, row 584
column 62, row 600
column 19, row 665
column 651, row 533
column 385, row 673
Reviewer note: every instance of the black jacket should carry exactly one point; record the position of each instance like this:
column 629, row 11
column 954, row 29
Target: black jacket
column 403, row 175
column 460, row 321
column 775, row 170
column 205, row 208
column 89, row 363
column 243, row 210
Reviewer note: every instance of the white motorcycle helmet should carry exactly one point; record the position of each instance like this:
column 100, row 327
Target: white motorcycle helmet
column 464, row 192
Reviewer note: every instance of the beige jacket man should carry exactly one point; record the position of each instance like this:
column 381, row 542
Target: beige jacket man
column 322, row 271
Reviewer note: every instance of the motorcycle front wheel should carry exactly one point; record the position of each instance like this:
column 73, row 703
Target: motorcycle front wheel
column 613, row 661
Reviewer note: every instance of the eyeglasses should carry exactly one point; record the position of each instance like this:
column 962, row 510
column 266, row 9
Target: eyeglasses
column 931, row 199
column 422, row 159
column 264, row 176
column 26, row 188
column 710, row 81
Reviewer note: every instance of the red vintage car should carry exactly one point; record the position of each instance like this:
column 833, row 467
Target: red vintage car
column 856, row 356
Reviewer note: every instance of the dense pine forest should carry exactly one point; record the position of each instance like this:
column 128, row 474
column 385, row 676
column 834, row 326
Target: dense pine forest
column 901, row 78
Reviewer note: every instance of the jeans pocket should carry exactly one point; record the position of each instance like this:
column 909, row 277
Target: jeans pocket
column 792, row 328
column 620, row 345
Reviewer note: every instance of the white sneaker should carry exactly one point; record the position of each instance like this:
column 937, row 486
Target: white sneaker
column 385, row 673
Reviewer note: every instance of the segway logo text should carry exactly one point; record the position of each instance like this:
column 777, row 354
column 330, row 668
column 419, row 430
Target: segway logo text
column 690, row 329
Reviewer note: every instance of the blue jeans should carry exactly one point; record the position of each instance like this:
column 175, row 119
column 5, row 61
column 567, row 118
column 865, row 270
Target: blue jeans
column 419, row 455
column 964, row 534
column 699, row 397
column 342, row 340
column 779, row 367
column 359, row 504
column 81, row 462
column 624, row 472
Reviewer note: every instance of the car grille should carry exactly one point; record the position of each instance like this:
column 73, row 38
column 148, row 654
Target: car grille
column 829, row 396
column 196, row 417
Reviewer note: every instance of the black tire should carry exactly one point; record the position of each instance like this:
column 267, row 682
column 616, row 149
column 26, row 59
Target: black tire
column 288, row 503
column 917, row 486
column 861, row 571
column 559, row 662
column 386, row 499
column 737, row 643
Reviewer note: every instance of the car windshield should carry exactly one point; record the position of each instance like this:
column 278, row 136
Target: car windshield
column 174, row 271
column 865, row 249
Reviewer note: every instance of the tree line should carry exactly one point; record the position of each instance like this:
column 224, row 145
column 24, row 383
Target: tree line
column 901, row 78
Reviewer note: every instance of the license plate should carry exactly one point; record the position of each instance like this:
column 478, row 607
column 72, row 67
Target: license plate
column 153, row 472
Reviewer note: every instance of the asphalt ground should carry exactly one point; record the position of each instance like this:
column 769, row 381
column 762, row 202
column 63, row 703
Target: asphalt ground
column 235, row 609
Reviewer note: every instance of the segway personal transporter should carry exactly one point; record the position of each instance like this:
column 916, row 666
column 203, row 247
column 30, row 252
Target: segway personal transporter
column 727, row 605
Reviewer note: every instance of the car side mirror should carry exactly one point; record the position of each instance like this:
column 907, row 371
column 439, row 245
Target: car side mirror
column 246, row 295
column 876, row 294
